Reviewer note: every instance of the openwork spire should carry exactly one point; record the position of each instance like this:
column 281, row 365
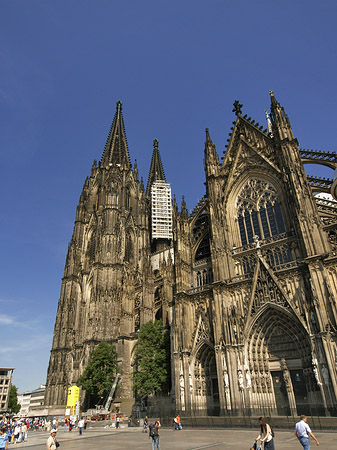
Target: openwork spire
column 156, row 169
column 116, row 148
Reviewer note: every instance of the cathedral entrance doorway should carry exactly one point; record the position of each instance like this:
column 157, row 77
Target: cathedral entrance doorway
column 279, row 354
column 206, row 382
column 300, row 391
column 281, row 396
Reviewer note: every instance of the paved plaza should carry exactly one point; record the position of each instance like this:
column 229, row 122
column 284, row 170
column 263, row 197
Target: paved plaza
column 100, row 438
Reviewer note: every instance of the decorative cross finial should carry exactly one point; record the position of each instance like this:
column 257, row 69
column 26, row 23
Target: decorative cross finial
column 237, row 107
column 155, row 143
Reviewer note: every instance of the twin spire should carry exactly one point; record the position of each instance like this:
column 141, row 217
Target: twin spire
column 116, row 148
column 156, row 172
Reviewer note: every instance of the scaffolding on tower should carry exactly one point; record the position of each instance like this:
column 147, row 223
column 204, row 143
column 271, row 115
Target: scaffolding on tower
column 161, row 210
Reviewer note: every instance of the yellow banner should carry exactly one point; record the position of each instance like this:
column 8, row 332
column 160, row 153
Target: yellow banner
column 73, row 396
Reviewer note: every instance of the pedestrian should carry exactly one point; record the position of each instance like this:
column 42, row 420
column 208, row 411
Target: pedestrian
column 17, row 431
column 303, row 432
column 3, row 439
column 146, row 424
column 24, row 432
column 51, row 441
column 155, row 435
column 118, row 422
column 80, row 425
column 10, row 434
column 266, row 435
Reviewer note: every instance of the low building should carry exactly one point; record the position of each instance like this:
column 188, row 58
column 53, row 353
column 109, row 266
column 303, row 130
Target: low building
column 32, row 402
column 6, row 374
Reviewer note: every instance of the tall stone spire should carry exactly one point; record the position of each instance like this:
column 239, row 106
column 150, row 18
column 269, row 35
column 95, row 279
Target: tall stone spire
column 156, row 169
column 280, row 120
column 211, row 161
column 116, row 148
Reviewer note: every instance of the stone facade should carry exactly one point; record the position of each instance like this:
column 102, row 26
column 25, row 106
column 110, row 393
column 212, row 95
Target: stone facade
column 247, row 285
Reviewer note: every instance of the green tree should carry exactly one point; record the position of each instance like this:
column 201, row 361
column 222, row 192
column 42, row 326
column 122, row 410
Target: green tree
column 13, row 404
column 99, row 373
column 151, row 361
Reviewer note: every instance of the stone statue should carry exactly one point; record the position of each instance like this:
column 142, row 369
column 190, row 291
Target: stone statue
column 190, row 381
column 325, row 375
column 240, row 380
column 316, row 375
column 182, row 389
column 257, row 241
column 248, row 380
column 226, row 379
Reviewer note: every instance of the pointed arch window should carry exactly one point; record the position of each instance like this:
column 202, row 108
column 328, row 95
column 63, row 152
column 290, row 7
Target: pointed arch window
column 128, row 248
column 127, row 199
column 258, row 211
column 202, row 224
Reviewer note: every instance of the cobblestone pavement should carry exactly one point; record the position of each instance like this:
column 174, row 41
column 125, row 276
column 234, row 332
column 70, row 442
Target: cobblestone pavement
column 186, row 439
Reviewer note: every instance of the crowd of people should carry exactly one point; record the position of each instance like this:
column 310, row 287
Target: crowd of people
column 17, row 430
column 14, row 431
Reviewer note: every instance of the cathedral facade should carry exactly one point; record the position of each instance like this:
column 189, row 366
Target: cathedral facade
column 246, row 283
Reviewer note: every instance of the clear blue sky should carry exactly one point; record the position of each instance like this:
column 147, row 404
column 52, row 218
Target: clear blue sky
column 177, row 66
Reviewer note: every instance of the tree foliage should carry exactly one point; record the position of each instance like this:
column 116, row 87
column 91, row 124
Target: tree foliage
column 13, row 404
column 100, row 372
column 151, row 361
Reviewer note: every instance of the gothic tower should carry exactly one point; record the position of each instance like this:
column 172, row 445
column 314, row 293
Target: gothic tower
column 107, row 288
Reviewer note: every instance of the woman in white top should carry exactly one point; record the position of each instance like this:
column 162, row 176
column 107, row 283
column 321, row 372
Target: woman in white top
column 265, row 435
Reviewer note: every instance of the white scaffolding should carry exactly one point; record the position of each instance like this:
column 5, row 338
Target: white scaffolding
column 161, row 210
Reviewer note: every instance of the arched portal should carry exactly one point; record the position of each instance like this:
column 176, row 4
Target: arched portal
column 279, row 359
column 206, row 395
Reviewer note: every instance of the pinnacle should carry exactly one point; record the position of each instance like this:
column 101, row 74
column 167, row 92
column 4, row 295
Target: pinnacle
column 208, row 138
column 156, row 172
column 116, row 148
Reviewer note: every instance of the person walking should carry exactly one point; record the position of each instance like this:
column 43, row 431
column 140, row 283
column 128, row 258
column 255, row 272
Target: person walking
column 51, row 441
column 155, row 436
column 146, row 424
column 303, row 432
column 3, row 439
column 80, row 425
column 17, row 432
column 266, row 435
column 24, row 432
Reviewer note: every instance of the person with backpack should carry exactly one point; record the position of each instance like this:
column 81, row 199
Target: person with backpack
column 266, row 435
column 154, row 434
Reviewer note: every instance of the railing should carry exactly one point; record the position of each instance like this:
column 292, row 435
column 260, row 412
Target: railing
column 258, row 243
column 195, row 290
column 202, row 262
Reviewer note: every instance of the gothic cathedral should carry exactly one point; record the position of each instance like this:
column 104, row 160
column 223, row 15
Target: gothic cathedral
column 246, row 283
